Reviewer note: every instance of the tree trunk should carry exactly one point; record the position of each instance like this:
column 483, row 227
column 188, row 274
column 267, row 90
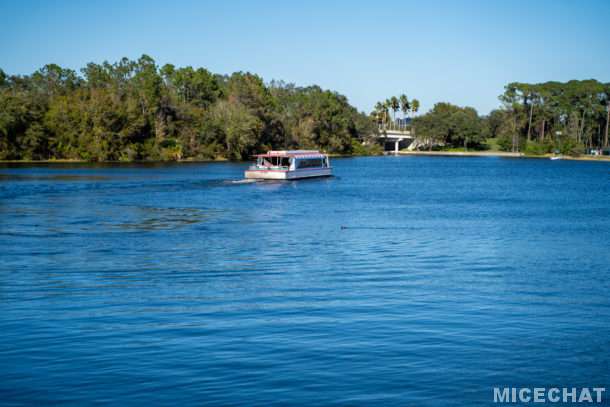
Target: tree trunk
column 606, row 134
column 529, row 126
column 514, row 149
column 542, row 131
column 582, row 127
column 160, row 127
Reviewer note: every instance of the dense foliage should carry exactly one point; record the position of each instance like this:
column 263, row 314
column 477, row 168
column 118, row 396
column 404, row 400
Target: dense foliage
column 450, row 125
column 539, row 118
column 134, row 110
column 534, row 118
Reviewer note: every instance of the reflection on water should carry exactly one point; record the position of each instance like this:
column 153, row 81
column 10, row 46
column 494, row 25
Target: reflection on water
column 402, row 281
column 50, row 177
column 149, row 218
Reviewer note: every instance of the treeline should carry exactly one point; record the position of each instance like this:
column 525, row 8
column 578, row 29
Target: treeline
column 540, row 118
column 136, row 110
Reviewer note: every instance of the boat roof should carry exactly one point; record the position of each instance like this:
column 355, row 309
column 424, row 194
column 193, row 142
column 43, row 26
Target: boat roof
column 293, row 153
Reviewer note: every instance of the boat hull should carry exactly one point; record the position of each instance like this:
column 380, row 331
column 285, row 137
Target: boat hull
column 288, row 175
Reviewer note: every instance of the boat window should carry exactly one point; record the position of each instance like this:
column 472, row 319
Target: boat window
column 273, row 161
column 310, row 163
column 261, row 161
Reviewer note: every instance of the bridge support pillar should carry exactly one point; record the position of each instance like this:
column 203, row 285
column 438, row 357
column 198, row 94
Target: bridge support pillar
column 396, row 145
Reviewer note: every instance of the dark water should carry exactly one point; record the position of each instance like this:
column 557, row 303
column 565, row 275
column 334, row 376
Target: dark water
column 402, row 281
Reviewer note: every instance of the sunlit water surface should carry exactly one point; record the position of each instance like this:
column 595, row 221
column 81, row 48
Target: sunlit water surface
column 401, row 281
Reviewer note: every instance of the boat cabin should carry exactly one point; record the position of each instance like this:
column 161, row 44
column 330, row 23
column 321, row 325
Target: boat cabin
column 290, row 164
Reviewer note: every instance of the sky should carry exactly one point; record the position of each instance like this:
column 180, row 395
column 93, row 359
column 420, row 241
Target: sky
column 462, row 52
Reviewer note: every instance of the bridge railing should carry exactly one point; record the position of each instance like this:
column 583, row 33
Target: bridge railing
column 402, row 127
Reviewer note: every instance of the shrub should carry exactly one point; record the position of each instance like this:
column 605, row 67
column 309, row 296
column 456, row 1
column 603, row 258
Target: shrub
column 369, row 149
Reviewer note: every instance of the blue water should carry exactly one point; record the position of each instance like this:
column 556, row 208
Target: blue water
column 401, row 281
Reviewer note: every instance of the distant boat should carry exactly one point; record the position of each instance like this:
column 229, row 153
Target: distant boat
column 290, row 164
column 556, row 158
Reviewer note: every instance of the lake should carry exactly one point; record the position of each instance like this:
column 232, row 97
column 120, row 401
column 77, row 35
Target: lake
column 400, row 281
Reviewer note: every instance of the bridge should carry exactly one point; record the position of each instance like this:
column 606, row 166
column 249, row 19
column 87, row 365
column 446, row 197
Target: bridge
column 395, row 133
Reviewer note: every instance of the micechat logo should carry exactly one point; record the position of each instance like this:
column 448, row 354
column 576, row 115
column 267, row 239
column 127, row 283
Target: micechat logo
column 524, row 395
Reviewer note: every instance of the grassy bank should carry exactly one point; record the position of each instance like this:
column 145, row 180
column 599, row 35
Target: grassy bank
column 452, row 153
column 577, row 158
column 444, row 153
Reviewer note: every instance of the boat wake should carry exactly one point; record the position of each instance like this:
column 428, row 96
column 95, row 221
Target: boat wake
column 240, row 181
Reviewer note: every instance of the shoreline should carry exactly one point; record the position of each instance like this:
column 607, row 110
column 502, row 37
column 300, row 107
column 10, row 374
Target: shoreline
column 70, row 161
column 501, row 154
column 185, row 161
column 464, row 153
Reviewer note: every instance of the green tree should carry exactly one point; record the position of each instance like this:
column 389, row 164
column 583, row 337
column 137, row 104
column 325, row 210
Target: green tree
column 450, row 125
column 240, row 128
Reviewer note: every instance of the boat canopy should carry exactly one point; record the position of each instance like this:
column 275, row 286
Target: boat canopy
column 292, row 153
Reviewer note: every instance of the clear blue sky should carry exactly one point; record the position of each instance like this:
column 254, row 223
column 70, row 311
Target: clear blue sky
column 462, row 52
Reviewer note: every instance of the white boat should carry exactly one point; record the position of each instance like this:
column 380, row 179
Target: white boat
column 556, row 158
column 290, row 164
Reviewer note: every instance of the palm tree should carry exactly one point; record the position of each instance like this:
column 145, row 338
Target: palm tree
column 414, row 105
column 379, row 109
column 405, row 106
column 386, row 106
column 395, row 105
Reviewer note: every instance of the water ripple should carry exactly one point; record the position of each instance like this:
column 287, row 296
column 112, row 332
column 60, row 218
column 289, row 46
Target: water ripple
column 408, row 281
